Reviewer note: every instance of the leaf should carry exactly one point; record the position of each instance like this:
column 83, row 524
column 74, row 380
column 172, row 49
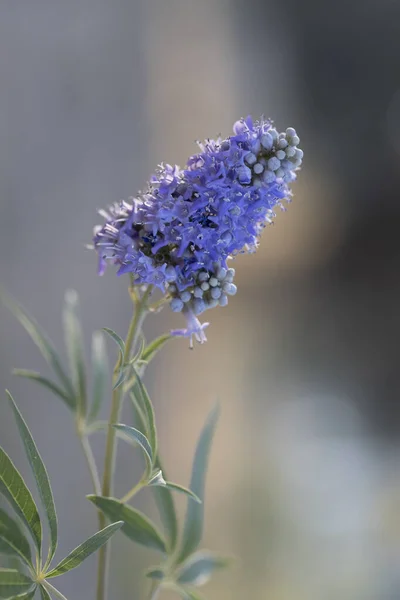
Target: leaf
column 100, row 373
column 44, row 593
column 79, row 554
column 137, row 526
column 41, row 476
column 197, row 570
column 27, row 596
column 12, row 486
column 186, row 593
column 162, row 495
column 155, row 573
column 193, row 528
column 140, row 439
column 143, row 398
column 151, row 349
column 74, row 344
column 175, row 487
column 40, row 339
column 12, row 540
column 121, row 345
column 12, row 583
column 53, row 387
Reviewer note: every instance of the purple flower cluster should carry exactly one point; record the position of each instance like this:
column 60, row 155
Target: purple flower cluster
column 179, row 234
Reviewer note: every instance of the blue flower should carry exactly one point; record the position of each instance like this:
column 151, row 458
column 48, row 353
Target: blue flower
column 180, row 233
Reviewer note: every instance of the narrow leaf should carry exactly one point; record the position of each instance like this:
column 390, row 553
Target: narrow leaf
column 53, row 387
column 151, row 349
column 193, row 528
column 74, row 344
column 199, row 567
column 175, row 487
column 44, row 593
column 100, row 374
column 12, row 583
column 137, row 526
column 186, row 593
column 40, row 339
column 119, row 341
column 162, row 495
column 12, row 540
column 13, row 488
column 139, row 438
column 155, row 573
column 121, row 378
column 79, row 554
column 141, row 394
column 41, row 477
column 121, row 360
column 27, row 596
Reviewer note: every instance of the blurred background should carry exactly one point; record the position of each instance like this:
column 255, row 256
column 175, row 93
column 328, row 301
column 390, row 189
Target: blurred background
column 304, row 481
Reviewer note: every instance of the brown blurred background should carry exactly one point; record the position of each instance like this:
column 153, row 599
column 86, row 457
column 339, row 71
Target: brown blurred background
column 304, row 482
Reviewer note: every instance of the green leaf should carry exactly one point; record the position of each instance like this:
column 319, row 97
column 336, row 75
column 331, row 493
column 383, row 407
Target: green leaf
column 27, row 596
column 175, row 487
column 199, row 567
column 121, row 345
column 44, row 593
column 13, row 488
column 53, row 387
column 162, row 495
column 186, row 592
column 41, row 476
column 139, row 438
column 100, row 373
column 40, row 339
column 151, row 349
column 155, row 573
column 79, row 554
column 137, row 526
column 193, row 528
column 12, row 583
column 12, row 540
column 140, row 392
column 74, row 344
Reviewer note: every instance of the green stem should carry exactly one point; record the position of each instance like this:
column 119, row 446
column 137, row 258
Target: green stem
column 134, row 490
column 116, row 405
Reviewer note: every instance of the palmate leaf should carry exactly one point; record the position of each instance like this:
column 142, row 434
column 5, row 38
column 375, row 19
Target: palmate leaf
column 193, row 528
column 79, row 554
column 42, row 342
column 136, row 526
column 41, row 477
column 100, row 374
column 199, row 567
column 13, row 583
column 12, row 540
column 162, row 495
column 74, row 344
column 13, row 488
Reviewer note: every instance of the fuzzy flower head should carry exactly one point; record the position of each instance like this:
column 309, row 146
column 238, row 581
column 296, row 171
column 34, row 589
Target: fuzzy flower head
column 179, row 234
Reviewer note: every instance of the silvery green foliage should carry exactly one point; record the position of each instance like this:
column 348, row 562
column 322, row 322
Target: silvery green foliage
column 181, row 566
column 19, row 537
